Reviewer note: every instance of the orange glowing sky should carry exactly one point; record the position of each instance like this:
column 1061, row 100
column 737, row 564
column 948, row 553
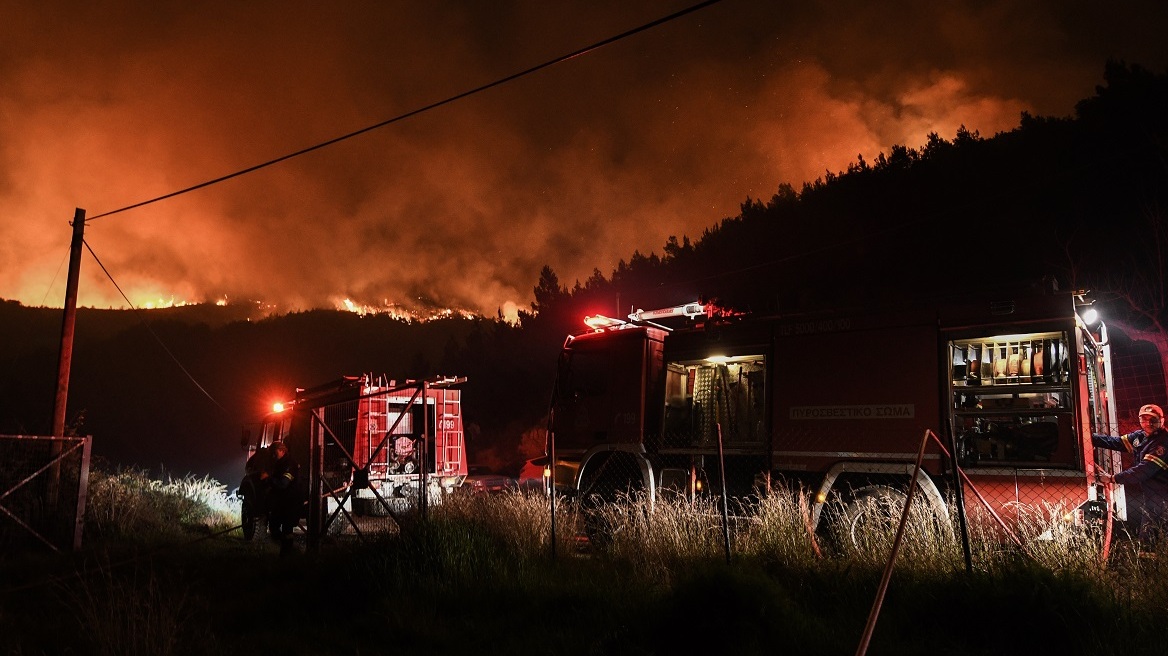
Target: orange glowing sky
column 108, row 104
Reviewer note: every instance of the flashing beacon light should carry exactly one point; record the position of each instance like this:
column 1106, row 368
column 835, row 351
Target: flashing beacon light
column 277, row 407
column 599, row 322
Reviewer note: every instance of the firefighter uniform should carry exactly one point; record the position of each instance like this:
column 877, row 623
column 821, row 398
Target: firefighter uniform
column 284, row 509
column 1149, row 449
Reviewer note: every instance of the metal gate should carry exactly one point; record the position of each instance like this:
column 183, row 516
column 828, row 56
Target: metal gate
column 42, row 491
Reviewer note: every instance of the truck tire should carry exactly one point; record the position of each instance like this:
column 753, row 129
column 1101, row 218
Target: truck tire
column 872, row 508
column 247, row 518
column 608, row 477
column 877, row 509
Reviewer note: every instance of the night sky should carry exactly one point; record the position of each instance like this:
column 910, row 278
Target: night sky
column 107, row 104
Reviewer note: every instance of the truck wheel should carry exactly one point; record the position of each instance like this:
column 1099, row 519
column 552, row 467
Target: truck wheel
column 609, row 476
column 874, row 512
column 871, row 511
column 247, row 518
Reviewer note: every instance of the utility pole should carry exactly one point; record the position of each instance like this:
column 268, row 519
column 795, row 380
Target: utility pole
column 65, row 358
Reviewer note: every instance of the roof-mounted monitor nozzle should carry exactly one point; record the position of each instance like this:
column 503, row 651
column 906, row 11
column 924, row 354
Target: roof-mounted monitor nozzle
column 599, row 322
column 688, row 310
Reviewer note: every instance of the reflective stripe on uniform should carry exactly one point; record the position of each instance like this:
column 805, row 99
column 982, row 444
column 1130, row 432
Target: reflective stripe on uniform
column 1159, row 462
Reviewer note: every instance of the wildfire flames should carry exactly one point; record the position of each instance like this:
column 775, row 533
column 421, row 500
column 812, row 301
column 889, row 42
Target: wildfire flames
column 400, row 312
column 162, row 303
column 341, row 304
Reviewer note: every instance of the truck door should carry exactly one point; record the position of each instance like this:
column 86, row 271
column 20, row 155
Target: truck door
column 601, row 389
column 1099, row 414
column 1098, row 411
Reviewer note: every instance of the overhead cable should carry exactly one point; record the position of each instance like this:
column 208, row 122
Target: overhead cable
column 434, row 105
column 151, row 330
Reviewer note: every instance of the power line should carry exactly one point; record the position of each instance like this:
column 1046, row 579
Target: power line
column 151, row 330
column 415, row 112
column 55, row 274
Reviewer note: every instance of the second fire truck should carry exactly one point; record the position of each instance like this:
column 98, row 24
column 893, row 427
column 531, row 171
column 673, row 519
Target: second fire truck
column 365, row 444
column 840, row 402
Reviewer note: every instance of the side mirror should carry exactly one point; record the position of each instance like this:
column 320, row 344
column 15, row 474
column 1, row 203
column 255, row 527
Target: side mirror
column 245, row 439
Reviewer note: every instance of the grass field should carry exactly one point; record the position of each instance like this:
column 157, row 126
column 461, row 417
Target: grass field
column 162, row 573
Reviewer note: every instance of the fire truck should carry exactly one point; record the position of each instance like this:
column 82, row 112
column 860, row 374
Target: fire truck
column 364, row 444
column 1013, row 385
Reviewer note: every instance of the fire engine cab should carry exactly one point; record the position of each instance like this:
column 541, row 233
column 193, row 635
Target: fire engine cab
column 363, row 443
column 840, row 402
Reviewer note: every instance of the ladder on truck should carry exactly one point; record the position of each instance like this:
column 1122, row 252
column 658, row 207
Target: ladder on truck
column 377, row 422
column 449, row 438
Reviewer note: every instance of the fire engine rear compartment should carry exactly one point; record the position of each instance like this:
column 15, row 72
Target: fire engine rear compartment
column 368, row 446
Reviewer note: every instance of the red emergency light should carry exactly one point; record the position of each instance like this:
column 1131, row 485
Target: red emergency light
column 600, row 322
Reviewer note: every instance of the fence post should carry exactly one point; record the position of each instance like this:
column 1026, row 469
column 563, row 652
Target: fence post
column 959, row 499
column 423, row 479
column 315, row 478
column 552, row 481
column 82, row 493
column 887, row 576
column 725, row 509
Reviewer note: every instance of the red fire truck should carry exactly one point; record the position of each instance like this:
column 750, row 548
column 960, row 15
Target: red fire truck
column 840, row 402
column 364, row 443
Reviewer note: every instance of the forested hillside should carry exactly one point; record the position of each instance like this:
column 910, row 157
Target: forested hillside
column 1081, row 199
column 1056, row 196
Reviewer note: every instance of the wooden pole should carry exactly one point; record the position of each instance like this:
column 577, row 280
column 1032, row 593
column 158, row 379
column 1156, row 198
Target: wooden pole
column 65, row 358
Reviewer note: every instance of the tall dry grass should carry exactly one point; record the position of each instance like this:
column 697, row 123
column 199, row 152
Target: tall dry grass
column 137, row 610
column 129, row 503
column 661, row 537
column 651, row 573
column 521, row 520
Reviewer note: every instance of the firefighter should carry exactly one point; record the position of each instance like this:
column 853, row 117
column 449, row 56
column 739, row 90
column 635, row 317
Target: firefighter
column 1149, row 449
column 284, row 504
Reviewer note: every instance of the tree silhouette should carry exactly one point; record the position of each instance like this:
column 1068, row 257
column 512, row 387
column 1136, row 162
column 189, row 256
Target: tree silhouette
column 1137, row 295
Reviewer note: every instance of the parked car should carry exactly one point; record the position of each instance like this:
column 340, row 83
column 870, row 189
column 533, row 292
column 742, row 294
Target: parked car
column 481, row 480
column 533, row 476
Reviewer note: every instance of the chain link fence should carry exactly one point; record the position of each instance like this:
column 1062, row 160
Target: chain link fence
column 1139, row 379
column 42, row 491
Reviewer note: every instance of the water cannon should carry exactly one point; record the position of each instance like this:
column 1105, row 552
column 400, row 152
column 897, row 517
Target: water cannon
column 688, row 310
column 599, row 322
